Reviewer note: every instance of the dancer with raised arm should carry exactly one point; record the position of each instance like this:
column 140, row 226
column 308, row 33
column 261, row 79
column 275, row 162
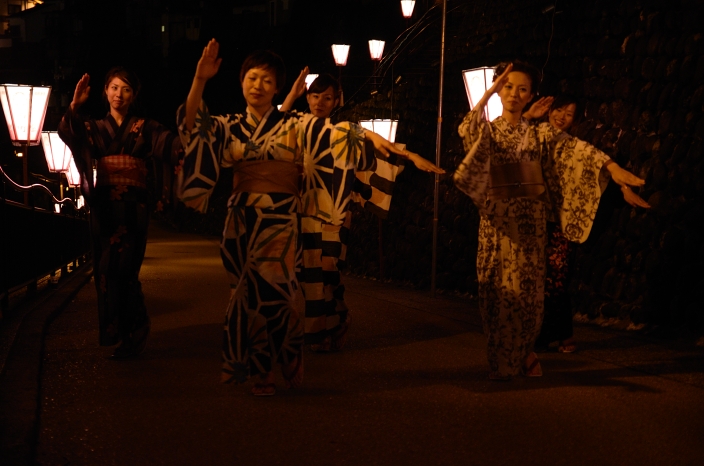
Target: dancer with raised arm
column 129, row 153
column 260, row 246
column 324, row 241
column 518, row 176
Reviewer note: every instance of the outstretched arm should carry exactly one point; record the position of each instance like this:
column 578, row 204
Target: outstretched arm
column 297, row 90
column 384, row 146
column 633, row 199
column 208, row 66
column 622, row 177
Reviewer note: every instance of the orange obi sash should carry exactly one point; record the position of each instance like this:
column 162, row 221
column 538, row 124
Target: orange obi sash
column 121, row 170
column 521, row 179
column 266, row 176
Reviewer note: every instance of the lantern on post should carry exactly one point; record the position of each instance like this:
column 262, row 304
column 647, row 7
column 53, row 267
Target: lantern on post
column 57, row 154
column 309, row 79
column 407, row 8
column 72, row 175
column 376, row 51
column 25, row 109
column 340, row 52
column 476, row 82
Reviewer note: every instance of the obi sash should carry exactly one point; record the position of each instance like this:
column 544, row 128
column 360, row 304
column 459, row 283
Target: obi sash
column 521, row 179
column 266, row 176
column 121, row 170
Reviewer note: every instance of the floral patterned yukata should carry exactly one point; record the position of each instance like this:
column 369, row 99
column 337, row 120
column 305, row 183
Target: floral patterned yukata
column 512, row 231
column 134, row 162
column 261, row 248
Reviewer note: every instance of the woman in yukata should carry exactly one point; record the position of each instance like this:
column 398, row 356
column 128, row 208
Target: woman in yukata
column 519, row 175
column 134, row 158
column 260, row 246
column 563, row 112
column 327, row 317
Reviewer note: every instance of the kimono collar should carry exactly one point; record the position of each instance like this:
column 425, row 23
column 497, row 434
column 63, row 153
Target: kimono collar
column 112, row 125
column 253, row 120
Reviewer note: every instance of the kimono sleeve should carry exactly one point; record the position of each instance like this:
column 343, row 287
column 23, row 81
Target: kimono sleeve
column 166, row 153
column 574, row 178
column 472, row 175
column 75, row 132
column 205, row 151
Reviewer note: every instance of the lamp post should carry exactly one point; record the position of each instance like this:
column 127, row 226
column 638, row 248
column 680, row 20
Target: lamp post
column 25, row 109
column 340, row 52
column 57, row 154
column 476, row 82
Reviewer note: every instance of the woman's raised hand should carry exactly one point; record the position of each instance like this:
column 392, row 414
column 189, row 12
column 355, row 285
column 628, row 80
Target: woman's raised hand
column 539, row 108
column 299, row 86
column 209, row 63
column 80, row 95
column 500, row 81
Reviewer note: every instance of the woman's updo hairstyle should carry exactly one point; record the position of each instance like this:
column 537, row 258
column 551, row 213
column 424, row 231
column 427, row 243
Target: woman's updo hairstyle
column 522, row 67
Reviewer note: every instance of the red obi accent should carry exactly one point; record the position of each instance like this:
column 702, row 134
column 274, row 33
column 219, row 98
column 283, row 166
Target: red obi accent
column 125, row 170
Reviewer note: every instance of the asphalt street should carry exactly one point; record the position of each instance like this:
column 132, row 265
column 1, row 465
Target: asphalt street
column 411, row 387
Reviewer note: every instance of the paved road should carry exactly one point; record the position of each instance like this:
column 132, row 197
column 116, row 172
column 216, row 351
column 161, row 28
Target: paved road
column 411, row 388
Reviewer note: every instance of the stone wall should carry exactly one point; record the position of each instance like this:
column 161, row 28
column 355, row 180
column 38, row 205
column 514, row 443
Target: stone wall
column 638, row 69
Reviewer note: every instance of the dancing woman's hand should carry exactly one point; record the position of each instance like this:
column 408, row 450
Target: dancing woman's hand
column 539, row 108
column 633, row 199
column 500, row 81
column 297, row 90
column 623, row 177
column 209, row 63
column 80, row 95
column 423, row 164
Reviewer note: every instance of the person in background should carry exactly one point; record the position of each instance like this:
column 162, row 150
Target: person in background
column 324, row 242
column 563, row 112
column 130, row 154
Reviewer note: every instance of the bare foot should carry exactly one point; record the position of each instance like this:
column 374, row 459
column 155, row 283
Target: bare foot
column 267, row 385
column 293, row 372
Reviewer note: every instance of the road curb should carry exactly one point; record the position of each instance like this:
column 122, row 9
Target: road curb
column 20, row 388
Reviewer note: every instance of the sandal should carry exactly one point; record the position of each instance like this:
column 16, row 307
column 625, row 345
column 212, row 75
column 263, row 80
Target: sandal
column 340, row 338
column 264, row 389
column 322, row 347
column 567, row 346
column 499, row 378
column 294, row 378
column 534, row 369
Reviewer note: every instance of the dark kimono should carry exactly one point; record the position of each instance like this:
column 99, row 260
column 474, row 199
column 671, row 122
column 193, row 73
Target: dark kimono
column 133, row 163
column 261, row 248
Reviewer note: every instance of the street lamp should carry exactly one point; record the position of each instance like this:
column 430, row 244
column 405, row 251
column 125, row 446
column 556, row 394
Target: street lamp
column 376, row 49
column 476, row 82
column 72, row 175
column 407, row 8
column 340, row 52
column 25, row 109
column 57, row 154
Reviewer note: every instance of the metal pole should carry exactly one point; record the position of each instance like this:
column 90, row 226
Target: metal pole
column 438, row 140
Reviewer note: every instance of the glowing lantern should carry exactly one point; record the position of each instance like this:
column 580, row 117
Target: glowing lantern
column 72, row 175
column 407, row 8
column 477, row 81
column 384, row 128
column 58, row 155
column 340, row 53
column 376, row 49
column 25, row 109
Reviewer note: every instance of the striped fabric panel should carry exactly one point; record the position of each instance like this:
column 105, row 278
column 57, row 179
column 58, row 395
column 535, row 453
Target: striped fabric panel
column 380, row 182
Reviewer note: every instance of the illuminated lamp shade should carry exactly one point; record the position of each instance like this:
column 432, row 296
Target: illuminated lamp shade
column 376, row 49
column 58, row 155
column 407, row 8
column 25, row 109
column 80, row 202
column 72, row 175
column 477, row 81
column 384, row 128
column 340, row 53
column 309, row 80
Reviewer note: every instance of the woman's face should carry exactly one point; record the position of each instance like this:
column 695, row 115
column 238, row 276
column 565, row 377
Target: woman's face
column 517, row 92
column 259, row 87
column 321, row 104
column 119, row 94
column 562, row 117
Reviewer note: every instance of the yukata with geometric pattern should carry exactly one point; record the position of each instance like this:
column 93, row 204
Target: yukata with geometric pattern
column 328, row 184
column 134, row 162
column 261, row 248
column 512, row 231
